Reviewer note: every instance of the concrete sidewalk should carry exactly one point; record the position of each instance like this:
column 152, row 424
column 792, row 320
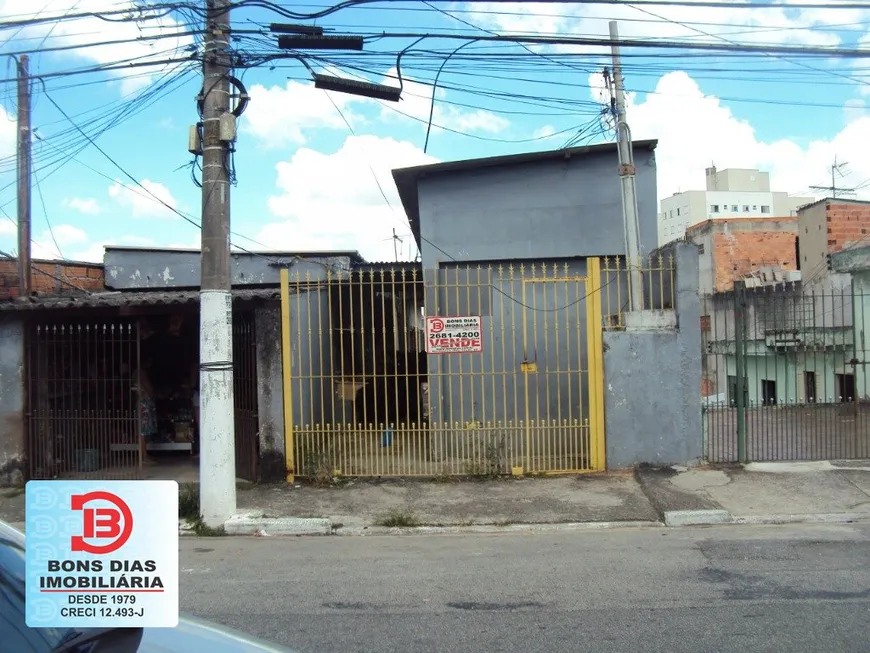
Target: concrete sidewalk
column 778, row 492
column 364, row 504
column 758, row 493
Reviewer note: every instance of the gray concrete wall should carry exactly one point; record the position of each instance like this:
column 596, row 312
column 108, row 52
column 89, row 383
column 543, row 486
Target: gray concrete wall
column 565, row 208
column 12, row 423
column 131, row 269
column 652, row 381
column 270, row 396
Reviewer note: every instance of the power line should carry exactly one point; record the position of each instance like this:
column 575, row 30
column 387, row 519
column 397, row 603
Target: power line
column 727, row 40
column 150, row 194
column 638, row 43
column 45, row 215
column 38, row 269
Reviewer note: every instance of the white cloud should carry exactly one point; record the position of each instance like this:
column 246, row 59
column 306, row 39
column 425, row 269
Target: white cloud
column 7, row 227
column 8, row 134
column 145, row 202
column 708, row 132
column 53, row 244
column 787, row 25
column 416, row 103
column 332, row 201
column 84, row 205
column 90, row 254
column 281, row 116
column 854, row 108
column 93, row 252
column 284, row 115
column 137, row 39
column 544, row 132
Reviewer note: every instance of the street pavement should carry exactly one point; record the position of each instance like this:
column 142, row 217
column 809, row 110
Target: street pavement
column 724, row 589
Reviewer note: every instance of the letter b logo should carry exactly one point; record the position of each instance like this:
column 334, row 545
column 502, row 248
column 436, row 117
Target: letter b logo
column 102, row 523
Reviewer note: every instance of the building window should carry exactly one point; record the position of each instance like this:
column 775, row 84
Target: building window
column 671, row 212
column 734, row 208
column 714, row 208
column 765, row 208
column 678, row 211
column 845, row 387
column 810, row 387
column 768, row 392
column 746, row 208
column 701, row 248
column 755, row 207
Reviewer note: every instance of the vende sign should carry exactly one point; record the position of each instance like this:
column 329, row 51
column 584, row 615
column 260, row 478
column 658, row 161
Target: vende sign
column 453, row 335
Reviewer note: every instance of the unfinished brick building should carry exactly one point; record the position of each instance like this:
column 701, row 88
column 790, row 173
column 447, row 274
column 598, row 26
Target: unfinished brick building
column 52, row 278
column 829, row 226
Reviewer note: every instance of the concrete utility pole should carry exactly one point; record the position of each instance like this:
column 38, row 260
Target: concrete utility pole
column 627, row 178
column 217, row 458
column 24, row 172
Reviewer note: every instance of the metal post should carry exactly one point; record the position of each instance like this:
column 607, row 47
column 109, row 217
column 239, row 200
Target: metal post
column 627, row 179
column 24, row 172
column 217, row 463
column 740, row 366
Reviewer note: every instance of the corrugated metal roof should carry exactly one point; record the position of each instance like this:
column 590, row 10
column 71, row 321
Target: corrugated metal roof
column 118, row 299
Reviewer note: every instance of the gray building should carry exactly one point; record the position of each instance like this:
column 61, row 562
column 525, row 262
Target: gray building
column 527, row 225
column 560, row 204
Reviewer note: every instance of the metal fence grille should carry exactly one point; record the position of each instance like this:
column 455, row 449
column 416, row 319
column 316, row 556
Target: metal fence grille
column 83, row 417
column 245, row 395
column 365, row 399
column 784, row 374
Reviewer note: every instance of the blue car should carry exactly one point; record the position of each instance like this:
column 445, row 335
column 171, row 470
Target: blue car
column 190, row 636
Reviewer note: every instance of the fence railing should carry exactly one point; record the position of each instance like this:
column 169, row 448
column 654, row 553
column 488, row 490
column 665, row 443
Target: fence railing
column 83, row 412
column 469, row 369
column 658, row 274
column 784, row 374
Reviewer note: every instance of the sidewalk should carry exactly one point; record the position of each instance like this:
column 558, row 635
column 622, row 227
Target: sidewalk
column 758, row 493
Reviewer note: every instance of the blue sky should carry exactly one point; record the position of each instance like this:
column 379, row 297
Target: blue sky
column 313, row 168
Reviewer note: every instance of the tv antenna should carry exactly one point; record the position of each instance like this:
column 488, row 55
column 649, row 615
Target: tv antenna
column 836, row 172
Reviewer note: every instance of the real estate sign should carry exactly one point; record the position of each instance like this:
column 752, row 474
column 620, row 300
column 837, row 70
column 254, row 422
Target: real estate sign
column 454, row 335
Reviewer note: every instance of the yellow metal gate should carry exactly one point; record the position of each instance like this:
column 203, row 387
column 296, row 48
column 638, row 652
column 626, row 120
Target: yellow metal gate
column 474, row 370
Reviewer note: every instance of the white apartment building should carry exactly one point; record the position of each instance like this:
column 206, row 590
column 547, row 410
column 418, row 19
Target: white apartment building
column 731, row 193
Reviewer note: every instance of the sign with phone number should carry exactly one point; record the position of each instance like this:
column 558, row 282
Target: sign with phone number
column 454, row 335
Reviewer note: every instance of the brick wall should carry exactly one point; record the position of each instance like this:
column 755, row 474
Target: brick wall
column 847, row 224
column 737, row 253
column 52, row 278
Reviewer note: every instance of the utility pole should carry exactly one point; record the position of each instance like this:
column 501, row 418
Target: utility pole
column 836, row 168
column 24, row 172
column 626, row 178
column 217, row 457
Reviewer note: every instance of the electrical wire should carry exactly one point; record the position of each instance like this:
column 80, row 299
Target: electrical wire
column 45, row 215
column 39, row 270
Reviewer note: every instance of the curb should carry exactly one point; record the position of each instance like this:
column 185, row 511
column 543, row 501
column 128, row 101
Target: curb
column 697, row 517
column 257, row 523
column 363, row 531
column 816, row 518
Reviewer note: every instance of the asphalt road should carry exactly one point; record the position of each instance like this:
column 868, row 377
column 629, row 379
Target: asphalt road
column 724, row 589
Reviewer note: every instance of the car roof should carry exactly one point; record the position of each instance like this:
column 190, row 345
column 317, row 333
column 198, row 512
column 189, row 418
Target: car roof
column 8, row 532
